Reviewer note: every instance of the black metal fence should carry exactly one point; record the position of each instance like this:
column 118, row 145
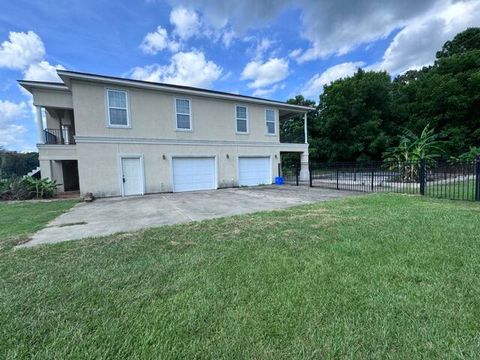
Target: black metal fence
column 435, row 178
column 290, row 174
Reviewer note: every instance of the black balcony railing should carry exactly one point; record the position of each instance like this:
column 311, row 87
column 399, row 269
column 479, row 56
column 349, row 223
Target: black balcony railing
column 58, row 136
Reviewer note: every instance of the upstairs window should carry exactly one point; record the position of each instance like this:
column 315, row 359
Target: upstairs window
column 183, row 114
column 117, row 108
column 270, row 121
column 242, row 119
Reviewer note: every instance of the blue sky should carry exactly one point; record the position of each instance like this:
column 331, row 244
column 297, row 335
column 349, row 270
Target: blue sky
column 273, row 49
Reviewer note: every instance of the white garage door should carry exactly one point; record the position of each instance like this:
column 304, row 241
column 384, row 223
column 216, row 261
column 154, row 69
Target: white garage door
column 254, row 171
column 193, row 173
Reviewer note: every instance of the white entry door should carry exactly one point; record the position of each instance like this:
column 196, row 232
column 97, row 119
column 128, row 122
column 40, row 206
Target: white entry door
column 132, row 178
column 254, row 171
column 193, row 173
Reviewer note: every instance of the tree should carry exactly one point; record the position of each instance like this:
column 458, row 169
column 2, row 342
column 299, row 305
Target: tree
column 362, row 115
column 411, row 149
column 463, row 42
column 13, row 163
column 354, row 117
column 445, row 95
column 292, row 131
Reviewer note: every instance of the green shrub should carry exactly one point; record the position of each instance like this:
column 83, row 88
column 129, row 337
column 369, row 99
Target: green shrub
column 468, row 156
column 26, row 188
column 14, row 189
column 41, row 188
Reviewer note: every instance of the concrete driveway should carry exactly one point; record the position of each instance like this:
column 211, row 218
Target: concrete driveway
column 113, row 215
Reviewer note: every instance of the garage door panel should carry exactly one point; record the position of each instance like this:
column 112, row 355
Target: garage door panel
column 254, row 171
column 192, row 173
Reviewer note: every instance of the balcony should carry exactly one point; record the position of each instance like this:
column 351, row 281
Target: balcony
column 62, row 136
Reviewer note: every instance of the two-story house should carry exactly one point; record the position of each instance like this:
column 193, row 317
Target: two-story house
column 114, row 136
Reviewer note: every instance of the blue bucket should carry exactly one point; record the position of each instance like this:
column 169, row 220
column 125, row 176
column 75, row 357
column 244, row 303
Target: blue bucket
column 279, row 180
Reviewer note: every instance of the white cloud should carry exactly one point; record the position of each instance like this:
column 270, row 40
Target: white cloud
column 185, row 68
column 314, row 86
column 20, row 50
column 331, row 27
column 241, row 15
column 186, row 22
column 263, row 45
column 268, row 91
column 10, row 112
column 228, row 37
column 10, row 135
column 415, row 46
column 265, row 74
column 158, row 40
column 25, row 51
column 42, row 71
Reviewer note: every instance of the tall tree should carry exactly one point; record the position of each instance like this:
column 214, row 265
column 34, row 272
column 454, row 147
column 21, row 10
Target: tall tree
column 14, row 164
column 354, row 115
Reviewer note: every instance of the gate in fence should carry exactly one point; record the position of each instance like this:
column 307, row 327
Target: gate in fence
column 436, row 178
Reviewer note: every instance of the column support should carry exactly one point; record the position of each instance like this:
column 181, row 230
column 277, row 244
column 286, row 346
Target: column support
column 305, row 127
column 41, row 136
column 304, row 167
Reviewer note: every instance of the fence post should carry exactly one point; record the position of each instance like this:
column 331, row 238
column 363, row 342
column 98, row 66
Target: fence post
column 421, row 176
column 477, row 179
column 336, row 168
column 279, row 169
column 373, row 177
column 297, row 174
column 310, row 175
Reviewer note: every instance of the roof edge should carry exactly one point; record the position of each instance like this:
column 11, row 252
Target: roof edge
column 67, row 75
column 29, row 85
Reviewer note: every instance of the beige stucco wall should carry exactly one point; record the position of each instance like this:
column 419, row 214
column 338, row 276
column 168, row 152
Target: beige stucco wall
column 53, row 122
column 57, row 152
column 152, row 115
column 153, row 135
column 99, row 165
column 53, row 170
column 52, row 98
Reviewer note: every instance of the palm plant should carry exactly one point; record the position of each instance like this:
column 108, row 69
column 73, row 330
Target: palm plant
column 411, row 149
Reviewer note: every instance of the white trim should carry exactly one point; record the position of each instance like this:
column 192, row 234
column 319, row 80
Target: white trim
column 236, row 126
column 67, row 75
column 120, row 171
column 274, row 122
column 175, row 98
column 108, row 107
column 186, row 156
column 33, row 84
column 124, row 140
column 254, row 156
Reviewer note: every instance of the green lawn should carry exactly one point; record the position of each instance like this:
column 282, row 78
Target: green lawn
column 376, row 276
column 22, row 218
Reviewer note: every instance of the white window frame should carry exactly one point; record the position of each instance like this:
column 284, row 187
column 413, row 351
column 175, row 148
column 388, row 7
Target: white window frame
column 236, row 125
column 109, row 124
column 177, row 113
column 268, row 121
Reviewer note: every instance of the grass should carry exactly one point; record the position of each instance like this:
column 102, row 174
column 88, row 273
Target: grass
column 19, row 219
column 378, row 276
